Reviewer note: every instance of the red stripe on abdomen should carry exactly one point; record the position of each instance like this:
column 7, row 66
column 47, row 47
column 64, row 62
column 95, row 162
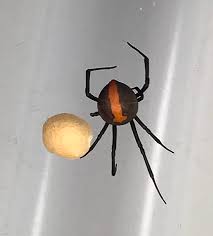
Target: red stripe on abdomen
column 115, row 103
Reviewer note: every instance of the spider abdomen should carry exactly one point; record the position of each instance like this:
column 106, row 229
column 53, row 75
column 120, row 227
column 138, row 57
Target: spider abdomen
column 117, row 103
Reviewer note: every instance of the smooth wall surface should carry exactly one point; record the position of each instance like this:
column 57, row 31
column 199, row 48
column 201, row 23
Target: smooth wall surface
column 45, row 48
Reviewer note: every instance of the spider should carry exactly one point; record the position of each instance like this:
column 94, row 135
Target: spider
column 117, row 104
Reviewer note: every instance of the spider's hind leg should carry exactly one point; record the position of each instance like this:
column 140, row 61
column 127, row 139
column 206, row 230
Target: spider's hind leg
column 88, row 72
column 136, row 88
column 145, row 86
column 138, row 94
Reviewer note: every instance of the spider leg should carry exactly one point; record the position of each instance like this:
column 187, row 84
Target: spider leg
column 145, row 158
column 97, row 139
column 94, row 114
column 137, row 89
column 151, row 134
column 146, row 64
column 114, row 141
column 87, row 89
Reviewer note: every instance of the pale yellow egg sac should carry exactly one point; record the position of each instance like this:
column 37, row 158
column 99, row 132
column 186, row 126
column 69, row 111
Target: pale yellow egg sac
column 67, row 135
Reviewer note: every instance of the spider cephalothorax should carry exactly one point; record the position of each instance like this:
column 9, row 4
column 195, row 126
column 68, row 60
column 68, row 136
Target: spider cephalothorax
column 118, row 105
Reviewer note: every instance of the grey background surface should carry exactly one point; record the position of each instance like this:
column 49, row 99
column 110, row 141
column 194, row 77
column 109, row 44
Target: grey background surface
column 45, row 48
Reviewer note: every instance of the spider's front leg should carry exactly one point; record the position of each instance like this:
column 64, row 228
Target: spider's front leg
column 137, row 139
column 114, row 142
column 94, row 114
column 97, row 139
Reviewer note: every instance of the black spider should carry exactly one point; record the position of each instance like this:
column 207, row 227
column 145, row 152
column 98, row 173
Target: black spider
column 117, row 105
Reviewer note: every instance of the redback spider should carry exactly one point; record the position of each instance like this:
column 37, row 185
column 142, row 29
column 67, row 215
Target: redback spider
column 118, row 105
